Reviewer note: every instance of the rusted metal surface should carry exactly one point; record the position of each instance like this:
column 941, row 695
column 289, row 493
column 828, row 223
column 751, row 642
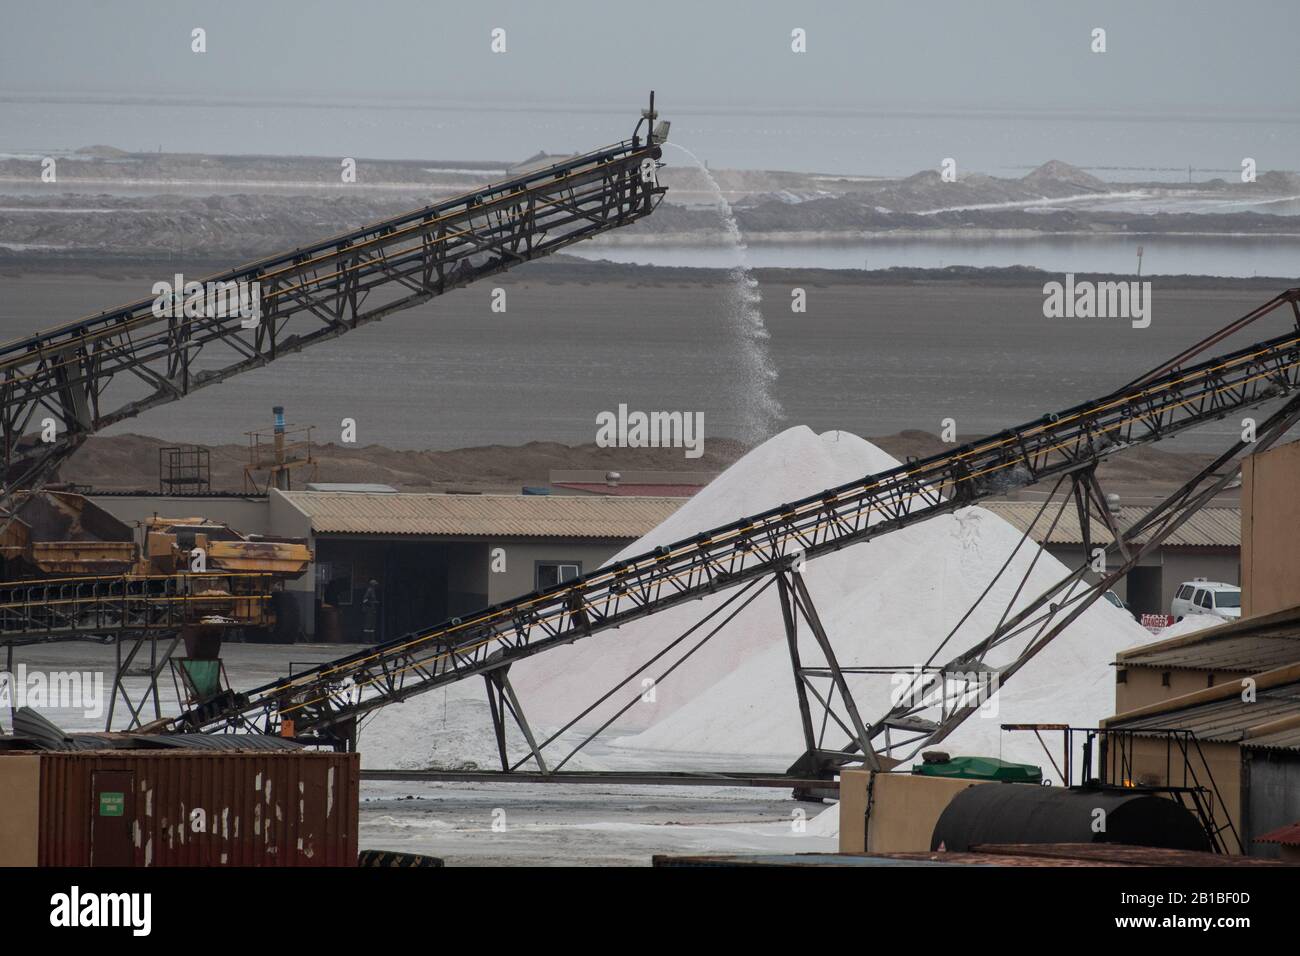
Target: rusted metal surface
column 973, row 858
column 1116, row 854
column 83, row 557
column 200, row 808
column 1016, row 855
column 277, row 557
column 66, row 516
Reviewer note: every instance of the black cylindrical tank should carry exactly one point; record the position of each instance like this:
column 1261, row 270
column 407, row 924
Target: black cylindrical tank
column 1022, row 813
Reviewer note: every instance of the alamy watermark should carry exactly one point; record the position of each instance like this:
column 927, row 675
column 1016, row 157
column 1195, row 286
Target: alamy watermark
column 1085, row 299
column 950, row 690
column 624, row 429
column 133, row 911
column 48, row 690
column 214, row 299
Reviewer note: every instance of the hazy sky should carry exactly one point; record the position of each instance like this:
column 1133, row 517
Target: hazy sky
column 1191, row 57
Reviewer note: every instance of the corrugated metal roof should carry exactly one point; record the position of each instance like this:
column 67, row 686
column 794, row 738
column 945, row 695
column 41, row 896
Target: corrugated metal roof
column 1229, row 720
column 489, row 516
column 1250, row 645
column 1247, row 653
column 1282, row 740
column 37, row 732
column 1209, row 527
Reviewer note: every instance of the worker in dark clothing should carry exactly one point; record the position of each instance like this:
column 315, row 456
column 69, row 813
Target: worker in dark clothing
column 370, row 608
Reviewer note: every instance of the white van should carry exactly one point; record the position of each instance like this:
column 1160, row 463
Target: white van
column 1206, row 597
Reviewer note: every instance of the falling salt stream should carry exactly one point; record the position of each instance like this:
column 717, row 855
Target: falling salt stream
column 760, row 411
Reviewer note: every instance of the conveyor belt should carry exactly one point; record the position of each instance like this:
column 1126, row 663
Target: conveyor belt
column 103, row 369
column 101, row 605
column 746, row 549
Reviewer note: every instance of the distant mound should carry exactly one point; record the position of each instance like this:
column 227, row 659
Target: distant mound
column 1055, row 171
column 102, row 152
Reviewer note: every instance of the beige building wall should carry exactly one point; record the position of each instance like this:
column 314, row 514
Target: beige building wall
column 1154, row 764
column 20, row 809
column 904, row 809
column 1270, row 531
column 520, row 575
column 1147, row 685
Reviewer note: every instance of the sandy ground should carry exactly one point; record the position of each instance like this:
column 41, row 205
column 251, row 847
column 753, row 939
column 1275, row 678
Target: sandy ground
column 129, row 463
column 563, row 824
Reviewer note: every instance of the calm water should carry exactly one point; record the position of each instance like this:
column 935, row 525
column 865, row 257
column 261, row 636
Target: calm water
column 871, row 359
column 1173, row 255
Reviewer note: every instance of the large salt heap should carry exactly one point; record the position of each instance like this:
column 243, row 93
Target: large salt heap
column 886, row 603
column 792, row 465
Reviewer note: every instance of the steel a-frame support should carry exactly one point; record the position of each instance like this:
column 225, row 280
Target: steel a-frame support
column 121, row 665
column 1090, row 500
column 817, row 760
column 1052, row 611
column 502, row 701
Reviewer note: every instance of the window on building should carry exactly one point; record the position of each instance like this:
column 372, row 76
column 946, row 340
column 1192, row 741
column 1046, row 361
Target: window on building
column 333, row 583
column 1164, row 679
column 551, row 573
column 1121, row 676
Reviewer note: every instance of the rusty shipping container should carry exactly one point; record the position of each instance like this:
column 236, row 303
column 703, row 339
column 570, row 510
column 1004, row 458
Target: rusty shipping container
column 197, row 808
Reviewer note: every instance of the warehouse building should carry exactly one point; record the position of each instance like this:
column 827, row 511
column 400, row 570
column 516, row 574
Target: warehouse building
column 1154, row 673
column 431, row 556
column 434, row 556
column 1206, row 546
column 1242, row 744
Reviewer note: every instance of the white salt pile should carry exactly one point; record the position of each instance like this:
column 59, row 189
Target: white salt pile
column 450, row 728
column 1190, row 625
column 886, row 603
column 792, row 465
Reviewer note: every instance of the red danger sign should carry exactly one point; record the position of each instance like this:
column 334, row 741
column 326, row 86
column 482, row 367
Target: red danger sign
column 1157, row 620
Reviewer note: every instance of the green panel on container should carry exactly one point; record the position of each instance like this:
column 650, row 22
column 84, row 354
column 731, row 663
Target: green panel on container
column 111, row 804
column 981, row 768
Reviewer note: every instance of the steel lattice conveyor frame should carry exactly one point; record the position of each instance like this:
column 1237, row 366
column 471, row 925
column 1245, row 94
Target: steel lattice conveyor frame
column 313, row 294
column 1064, row 444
